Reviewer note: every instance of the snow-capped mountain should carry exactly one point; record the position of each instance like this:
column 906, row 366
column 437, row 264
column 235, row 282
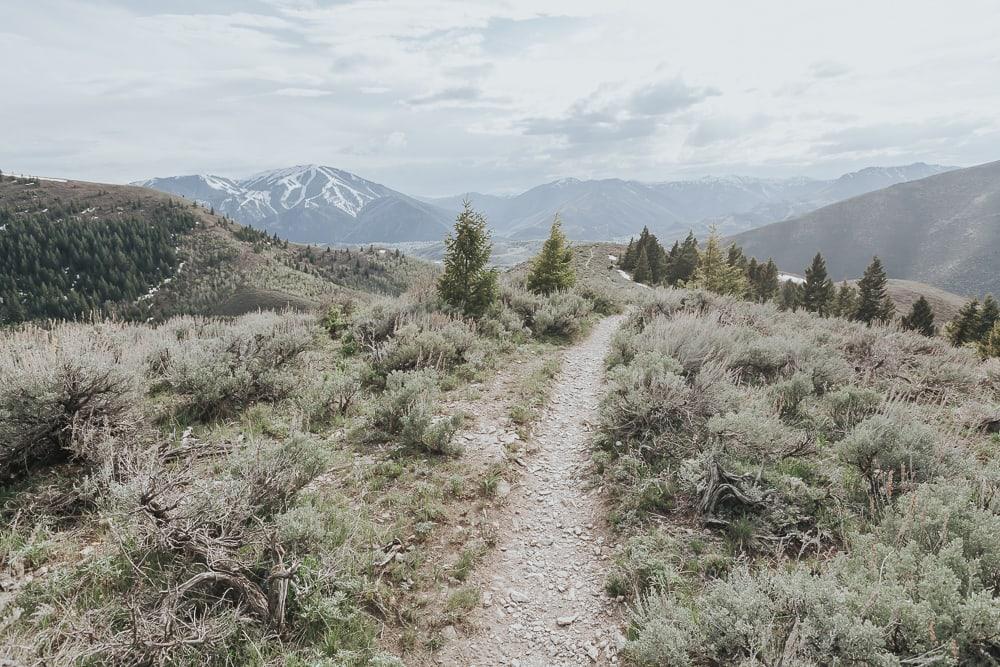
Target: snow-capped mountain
column 314, row 204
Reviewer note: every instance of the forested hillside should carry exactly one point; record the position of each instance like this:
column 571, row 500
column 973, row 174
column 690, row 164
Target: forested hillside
column 72, row 249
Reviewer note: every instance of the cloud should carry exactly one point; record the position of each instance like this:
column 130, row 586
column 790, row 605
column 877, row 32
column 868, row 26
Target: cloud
column 454, row 94
column 493, row 94
column 898, row 136
column 725, row 129
column 610, row 114
column 302, row 92
column 828, row 69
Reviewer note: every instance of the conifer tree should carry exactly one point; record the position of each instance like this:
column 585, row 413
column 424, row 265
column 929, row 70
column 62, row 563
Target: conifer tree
column 553, row 268
column 768, row 285
column 627, row 262
column 818, row 291
column 989, row 313
column 642, row 273
column 989, row 346
column 467, row 283
column 921, row 318
column 714, row 272
column 965, row 327
column 682, row 268
column 846, row 302
column 790, row 296
column 874, row 303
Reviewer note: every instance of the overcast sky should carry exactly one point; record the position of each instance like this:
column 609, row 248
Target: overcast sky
column 446, row 96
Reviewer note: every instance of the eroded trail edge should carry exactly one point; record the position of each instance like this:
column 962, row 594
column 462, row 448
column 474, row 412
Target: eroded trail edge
column 542, row 588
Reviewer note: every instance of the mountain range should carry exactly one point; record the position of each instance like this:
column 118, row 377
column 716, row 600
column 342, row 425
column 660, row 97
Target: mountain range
column 943, row 230
column 314, row 204
column 317, row 204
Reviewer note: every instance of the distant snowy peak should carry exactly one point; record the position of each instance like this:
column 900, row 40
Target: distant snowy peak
column 273, row 192
column 314, row 186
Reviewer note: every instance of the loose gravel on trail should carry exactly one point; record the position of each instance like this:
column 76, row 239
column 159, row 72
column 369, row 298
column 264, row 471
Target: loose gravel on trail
column 543, row 601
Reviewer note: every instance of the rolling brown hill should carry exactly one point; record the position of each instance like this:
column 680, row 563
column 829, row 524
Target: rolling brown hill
column 944, row 304
column 943, row 230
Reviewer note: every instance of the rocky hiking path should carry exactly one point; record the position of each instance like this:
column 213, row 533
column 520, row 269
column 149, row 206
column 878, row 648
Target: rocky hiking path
column 542, row 588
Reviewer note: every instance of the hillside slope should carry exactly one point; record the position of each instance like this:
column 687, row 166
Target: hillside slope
column 943, row 230
column 70, row 248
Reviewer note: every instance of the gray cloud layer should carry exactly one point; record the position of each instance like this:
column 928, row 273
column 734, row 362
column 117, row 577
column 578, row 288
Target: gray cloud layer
column 445, row 96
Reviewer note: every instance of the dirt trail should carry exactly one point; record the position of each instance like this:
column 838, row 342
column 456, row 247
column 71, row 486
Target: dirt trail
column 542, row 588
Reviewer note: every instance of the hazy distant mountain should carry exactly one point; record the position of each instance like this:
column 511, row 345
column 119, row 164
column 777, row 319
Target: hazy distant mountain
column 315, row 204
column 943, row 230
column 613, row 208
column 326, row 205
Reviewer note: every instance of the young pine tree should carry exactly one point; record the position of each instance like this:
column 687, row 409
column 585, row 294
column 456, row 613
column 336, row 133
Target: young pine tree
column 846, row 303
column 874, row 303
column 467, row 283
column 818, row 291
column 627, row 261
column 714, row 272
column 966, row 325
column 681, row 269
column 642, row 273
column 767, row 284
column 790, row 296
column 989, row 314
column 989, row 346
column 553, row 268
column 921, row 318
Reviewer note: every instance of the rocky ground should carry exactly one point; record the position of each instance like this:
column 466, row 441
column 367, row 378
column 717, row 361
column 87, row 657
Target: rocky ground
column 542, row 587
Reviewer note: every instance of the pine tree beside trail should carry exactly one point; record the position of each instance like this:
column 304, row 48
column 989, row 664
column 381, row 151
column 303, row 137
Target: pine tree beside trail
column 467, row 283
column 874, row 303
column 818, row 291
column 553, row 268
column 966, row 325
column 714, row 272
column 921, row 318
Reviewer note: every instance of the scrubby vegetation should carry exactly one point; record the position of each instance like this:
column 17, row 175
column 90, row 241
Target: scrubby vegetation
column 264, row 489
column 801, row 489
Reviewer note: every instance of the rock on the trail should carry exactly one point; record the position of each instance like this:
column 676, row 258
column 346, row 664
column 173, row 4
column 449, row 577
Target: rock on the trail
column 592, row 652
column 565, row 620
column 517, row 596
column 503, row 488
column 449, row 633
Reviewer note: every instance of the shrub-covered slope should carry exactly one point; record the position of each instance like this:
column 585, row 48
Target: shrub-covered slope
column 272, row 489
column 800, row 490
